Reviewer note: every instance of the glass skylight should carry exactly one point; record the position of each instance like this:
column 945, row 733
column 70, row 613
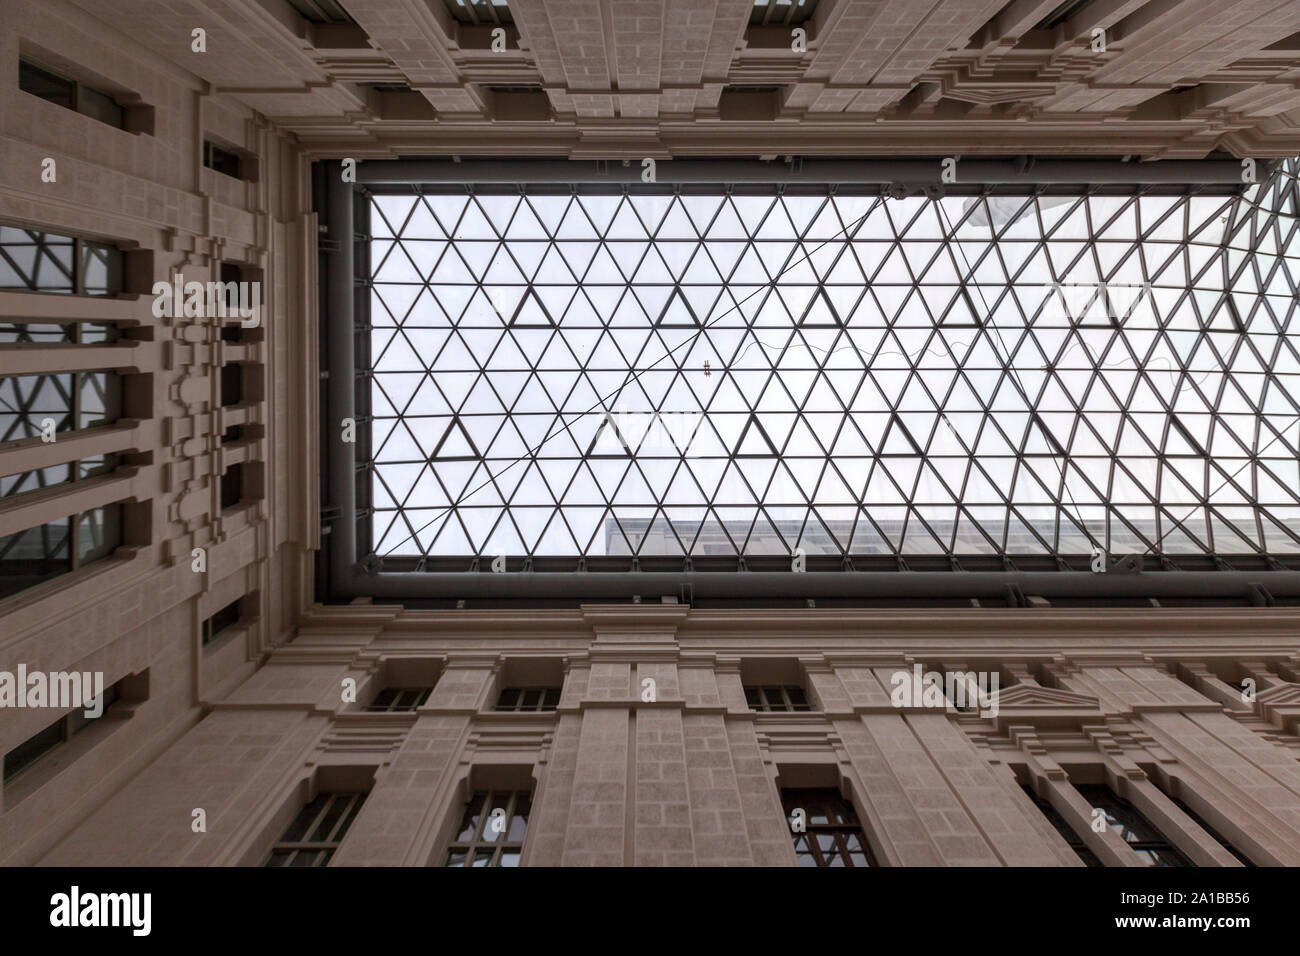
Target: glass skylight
column 723, row 371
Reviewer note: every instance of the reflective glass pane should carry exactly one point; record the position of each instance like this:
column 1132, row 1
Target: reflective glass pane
column 99, row 533
column 48, row 86
column 35, row 261
column 101, row 267
column 100, row 106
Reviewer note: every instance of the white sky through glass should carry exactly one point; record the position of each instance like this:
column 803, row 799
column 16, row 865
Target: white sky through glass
column 715, row 372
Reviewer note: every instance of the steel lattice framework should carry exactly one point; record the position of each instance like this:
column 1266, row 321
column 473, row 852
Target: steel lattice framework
column 753, row 371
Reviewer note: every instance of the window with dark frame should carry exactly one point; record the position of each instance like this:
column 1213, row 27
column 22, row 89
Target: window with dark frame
column 31, row 750
column 833, row 835
column 1133, row 828
column 1062, row 13
column 222, row 160
column 770, row 699
column 36, row 555
column 230, row 272
column 321, row 11
column 73, row 401
column 70, row 94
column 56, row 474
column 237, row 281
column 492, row 829
column 479, row 12
column 397, row 699
column 32, row 260
column 965, row 696
column 214, row 626
column 1063, row 828
column 780, row 13
column 529, row 699
column 232, row 486
column 317, row 831
column 232, row 384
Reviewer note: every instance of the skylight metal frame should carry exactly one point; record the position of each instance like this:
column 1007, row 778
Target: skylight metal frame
column 1260, row 577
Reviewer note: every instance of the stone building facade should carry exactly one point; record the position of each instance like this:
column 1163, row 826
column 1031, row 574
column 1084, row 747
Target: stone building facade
column 1147, row 709
column 237, row 694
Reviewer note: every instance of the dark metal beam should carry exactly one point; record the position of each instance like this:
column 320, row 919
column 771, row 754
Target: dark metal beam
column 342, row 543
column 983, row 585
column 918, row 172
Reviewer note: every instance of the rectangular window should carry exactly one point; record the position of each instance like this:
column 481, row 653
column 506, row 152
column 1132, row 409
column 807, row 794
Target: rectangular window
column 27, row 753
column 1061, row 13
column 1063, row 828
column 48, row 86
column 831, row 834
column 213, row 627
column 76, row 333
column 232, row 385
column 492, row 830
column 964, row 696
column 242, row 289
column 321, row 11
column 479, row 12
column 529, row 698
column 784, row 698
column 232, row 486
column 73, row 400
column 517, row 102
column 35, row 261
column 230, row 272
column 222, row 160
column 317, row 831
column 36, row 555
column 395, row 699
column 56, row 475
column 70, row 94
column 781, row 12
column 34, row 748
column 749, row 103
column 1138, row 832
